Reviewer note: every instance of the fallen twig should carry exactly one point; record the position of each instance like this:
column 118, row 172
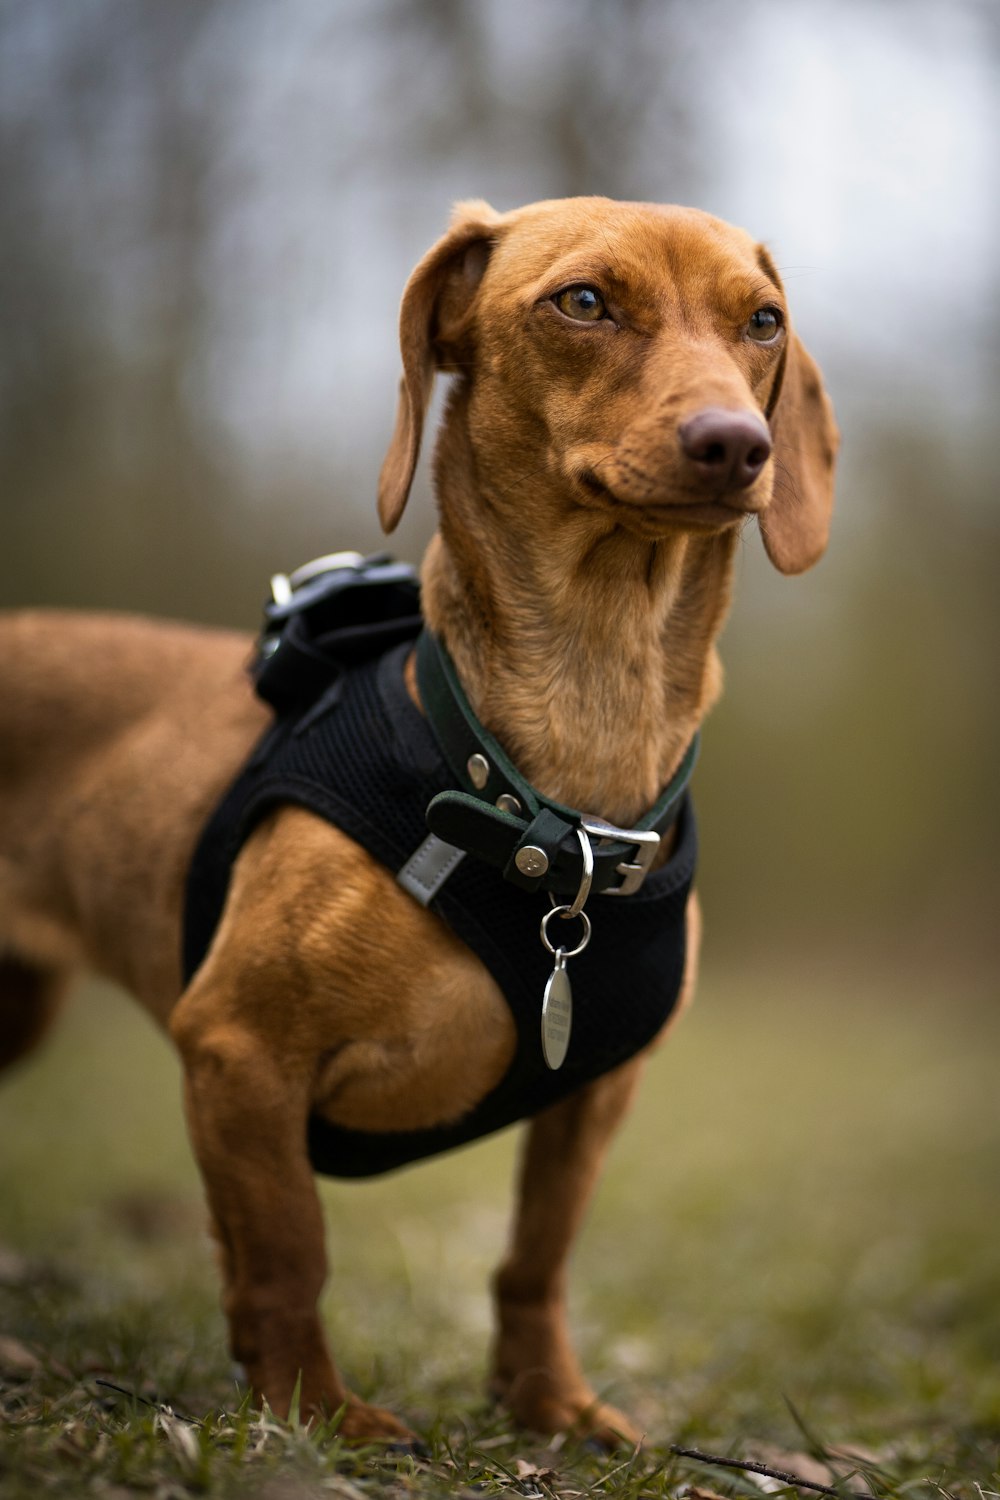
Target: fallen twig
column 748, row 1466
column 160, row 1406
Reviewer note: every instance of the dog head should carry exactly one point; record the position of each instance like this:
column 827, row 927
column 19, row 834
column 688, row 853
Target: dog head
column 630, row 360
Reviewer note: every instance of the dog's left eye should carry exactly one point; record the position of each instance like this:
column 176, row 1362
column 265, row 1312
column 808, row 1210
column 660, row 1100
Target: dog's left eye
column 765, row 325
column 582, row 303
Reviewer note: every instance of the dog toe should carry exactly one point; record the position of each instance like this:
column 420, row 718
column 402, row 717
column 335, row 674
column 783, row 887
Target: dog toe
column 362, row 1423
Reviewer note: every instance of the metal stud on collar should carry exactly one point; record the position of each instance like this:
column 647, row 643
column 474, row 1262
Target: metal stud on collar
column 531, row 860
column 478, row 768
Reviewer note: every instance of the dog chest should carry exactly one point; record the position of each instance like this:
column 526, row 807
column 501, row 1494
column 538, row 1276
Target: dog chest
column 370, row 764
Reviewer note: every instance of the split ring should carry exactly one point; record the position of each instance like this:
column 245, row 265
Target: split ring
column 565, row 911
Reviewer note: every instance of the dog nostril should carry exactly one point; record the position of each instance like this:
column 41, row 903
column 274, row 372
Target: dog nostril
column 757, row 457
column 710, row 453
column 729, row 448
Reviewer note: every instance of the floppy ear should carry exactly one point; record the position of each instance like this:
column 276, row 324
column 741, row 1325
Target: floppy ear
column 433, row 334
column 796, row 523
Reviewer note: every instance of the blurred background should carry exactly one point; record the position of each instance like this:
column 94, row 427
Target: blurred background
column 207, row 216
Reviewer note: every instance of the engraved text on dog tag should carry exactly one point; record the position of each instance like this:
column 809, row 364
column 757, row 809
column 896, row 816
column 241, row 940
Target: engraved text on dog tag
column 557, row 1013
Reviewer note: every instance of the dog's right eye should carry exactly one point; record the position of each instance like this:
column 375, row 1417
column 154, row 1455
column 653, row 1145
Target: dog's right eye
column 582, row 303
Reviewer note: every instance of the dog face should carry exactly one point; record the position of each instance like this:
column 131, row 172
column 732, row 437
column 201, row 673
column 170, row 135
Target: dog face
column 641, row 361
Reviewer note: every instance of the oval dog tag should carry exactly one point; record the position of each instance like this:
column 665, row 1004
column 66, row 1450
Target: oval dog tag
column 557, row 1014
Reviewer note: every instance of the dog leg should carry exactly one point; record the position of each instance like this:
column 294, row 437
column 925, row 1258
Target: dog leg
column 247, row 1108
column 535, row 1370
column 29, row 1000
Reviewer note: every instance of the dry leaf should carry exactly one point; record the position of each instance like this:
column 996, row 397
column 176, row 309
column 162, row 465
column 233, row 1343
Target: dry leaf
column 525, row 1470
column 817, row 1471
column 16, row 1359
column 180, row 1436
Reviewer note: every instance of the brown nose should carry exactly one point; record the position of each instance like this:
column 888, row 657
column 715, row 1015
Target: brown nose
column 727, row 448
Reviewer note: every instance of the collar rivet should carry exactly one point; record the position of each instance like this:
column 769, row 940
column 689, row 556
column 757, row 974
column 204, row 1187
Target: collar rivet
column 508, row 803
column 531, row 860
column 478, row 768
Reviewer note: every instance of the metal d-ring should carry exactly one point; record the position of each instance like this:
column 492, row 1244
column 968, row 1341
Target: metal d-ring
column 587, row 850
column 564, row 911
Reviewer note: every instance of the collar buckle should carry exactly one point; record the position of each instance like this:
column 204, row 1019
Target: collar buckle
column 645, row 841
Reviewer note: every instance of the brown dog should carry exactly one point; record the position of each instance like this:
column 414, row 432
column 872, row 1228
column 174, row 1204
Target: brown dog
column 628, row 391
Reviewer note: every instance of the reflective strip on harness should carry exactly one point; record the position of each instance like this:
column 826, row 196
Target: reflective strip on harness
column 426, row 871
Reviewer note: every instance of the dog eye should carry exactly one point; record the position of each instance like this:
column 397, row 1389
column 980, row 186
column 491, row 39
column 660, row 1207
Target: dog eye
column 581, row 303
column 765, row 325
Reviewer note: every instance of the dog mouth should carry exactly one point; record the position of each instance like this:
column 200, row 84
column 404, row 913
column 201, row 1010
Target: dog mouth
column 712, row 512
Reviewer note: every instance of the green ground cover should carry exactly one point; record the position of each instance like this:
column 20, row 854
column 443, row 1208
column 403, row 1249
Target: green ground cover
column 794, row 1249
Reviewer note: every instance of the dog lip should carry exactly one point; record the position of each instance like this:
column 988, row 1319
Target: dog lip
column 708, row 512
column 596, row 486
column 711, row 512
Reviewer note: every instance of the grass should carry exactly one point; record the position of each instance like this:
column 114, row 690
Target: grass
column 794, row 1251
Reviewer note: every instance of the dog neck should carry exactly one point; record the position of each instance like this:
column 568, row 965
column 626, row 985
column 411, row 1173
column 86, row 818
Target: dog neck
column 586, row 650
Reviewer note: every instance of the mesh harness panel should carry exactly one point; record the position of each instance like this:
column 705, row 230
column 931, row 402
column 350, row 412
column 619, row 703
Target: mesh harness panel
column 369, row 764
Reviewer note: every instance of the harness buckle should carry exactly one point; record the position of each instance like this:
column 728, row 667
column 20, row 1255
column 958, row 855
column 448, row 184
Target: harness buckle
column 633, row 873
column 284, row 585
column 332, row 613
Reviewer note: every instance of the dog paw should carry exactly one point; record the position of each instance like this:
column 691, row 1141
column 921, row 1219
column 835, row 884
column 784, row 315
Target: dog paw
column 362, row 1423
column 582, row 1415
column 606, row 1427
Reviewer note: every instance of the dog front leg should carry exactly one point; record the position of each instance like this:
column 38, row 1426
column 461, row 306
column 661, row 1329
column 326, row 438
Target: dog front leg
column 535, row 1370
column 247, row 1117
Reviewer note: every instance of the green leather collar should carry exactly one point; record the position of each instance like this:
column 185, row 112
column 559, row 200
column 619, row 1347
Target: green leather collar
column 499, row 817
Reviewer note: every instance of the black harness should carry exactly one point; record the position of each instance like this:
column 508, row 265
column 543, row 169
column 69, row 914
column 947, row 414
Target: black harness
column 348, row 744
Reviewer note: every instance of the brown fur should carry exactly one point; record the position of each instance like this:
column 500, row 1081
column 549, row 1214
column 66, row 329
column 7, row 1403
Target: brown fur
column 579, row 578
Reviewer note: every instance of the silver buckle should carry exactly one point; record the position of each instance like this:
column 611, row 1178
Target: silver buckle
column 283, row 585
column 646, row 845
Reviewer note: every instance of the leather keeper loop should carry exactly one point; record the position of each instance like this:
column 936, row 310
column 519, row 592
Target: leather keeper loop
column 546, row 832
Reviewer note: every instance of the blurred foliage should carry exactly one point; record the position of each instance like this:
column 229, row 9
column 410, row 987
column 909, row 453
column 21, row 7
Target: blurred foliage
column 207, row 216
